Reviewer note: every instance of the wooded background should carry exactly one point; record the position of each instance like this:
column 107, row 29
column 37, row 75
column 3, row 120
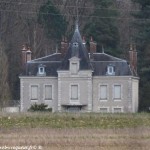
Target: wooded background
column 113, row 24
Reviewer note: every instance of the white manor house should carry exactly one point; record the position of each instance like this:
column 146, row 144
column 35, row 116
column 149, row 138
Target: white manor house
column 77, row 81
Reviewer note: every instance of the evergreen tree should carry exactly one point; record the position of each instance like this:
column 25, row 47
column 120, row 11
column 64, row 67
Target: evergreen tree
column 142, row 24
column 53, row 22
column 103, row 26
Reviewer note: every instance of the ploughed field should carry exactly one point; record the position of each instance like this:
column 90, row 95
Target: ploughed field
column 88, row 131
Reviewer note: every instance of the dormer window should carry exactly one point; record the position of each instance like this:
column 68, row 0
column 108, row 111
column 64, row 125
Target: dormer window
column 41, row 70
column 110, row 70
column 74, row 65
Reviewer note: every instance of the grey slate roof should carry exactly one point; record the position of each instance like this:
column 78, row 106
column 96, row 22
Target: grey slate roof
column 101, row 61
column 76, row 48
column 51, row 63
column 98, row 63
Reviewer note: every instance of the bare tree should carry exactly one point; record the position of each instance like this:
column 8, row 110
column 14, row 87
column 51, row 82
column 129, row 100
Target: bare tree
column 5, row 95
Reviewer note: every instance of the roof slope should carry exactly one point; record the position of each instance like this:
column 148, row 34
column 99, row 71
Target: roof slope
column 98, row 62
column 51, row 63
column 101, row 61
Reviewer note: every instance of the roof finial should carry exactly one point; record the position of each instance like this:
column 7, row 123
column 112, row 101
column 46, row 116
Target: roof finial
column 103, row 49
column 77, row 17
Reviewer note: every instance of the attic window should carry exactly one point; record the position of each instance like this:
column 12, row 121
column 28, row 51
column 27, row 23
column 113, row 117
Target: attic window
column 110, row 70
column 41, row 70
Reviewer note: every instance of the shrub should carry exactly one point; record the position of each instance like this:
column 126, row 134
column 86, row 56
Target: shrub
column 39, row 107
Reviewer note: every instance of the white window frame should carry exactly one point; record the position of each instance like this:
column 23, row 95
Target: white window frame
column 30, row 93
column 117, row 107
column 44, row 92
column 108, row 109
column 74, row 101
column 107, row 92
column 41, row 72
column 121, row 92
column 110, row 67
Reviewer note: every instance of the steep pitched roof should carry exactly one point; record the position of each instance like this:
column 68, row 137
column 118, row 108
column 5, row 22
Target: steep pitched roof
column 77, row 49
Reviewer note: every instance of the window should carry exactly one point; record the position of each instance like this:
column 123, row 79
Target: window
column 103, row 92
column 34, row 92
column 117, row 91
column 104, row 110
column 41, row 70
column 74, row 92
column 48, row 92
column 110, row 70
column 74, row 68
column 117, row 110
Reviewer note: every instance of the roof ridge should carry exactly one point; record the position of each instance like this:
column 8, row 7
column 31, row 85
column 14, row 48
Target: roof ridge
column 111, row 56
column 44, row 57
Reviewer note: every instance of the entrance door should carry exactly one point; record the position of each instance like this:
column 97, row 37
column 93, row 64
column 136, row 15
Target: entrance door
column 74, row 109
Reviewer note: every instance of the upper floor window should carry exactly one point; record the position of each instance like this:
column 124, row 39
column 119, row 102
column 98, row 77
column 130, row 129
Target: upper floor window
column 110, row 70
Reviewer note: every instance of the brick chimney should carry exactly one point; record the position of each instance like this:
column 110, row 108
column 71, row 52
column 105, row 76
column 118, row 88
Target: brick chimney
column 26, row 54
column 93, row 46
column 133, row 58
column 64, row 46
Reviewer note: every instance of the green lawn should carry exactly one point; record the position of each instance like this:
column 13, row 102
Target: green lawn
column 88, row 120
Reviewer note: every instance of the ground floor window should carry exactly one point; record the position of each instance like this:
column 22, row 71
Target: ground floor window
column 74, row 92
column 103, row 92
column 48, row 92
column 117, row 92
column 34, row 92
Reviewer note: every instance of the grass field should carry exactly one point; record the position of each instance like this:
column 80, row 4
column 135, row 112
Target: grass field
column 76, row 131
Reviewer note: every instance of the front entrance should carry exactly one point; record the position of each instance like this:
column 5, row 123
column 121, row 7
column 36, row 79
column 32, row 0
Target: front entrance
column 73, row 108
